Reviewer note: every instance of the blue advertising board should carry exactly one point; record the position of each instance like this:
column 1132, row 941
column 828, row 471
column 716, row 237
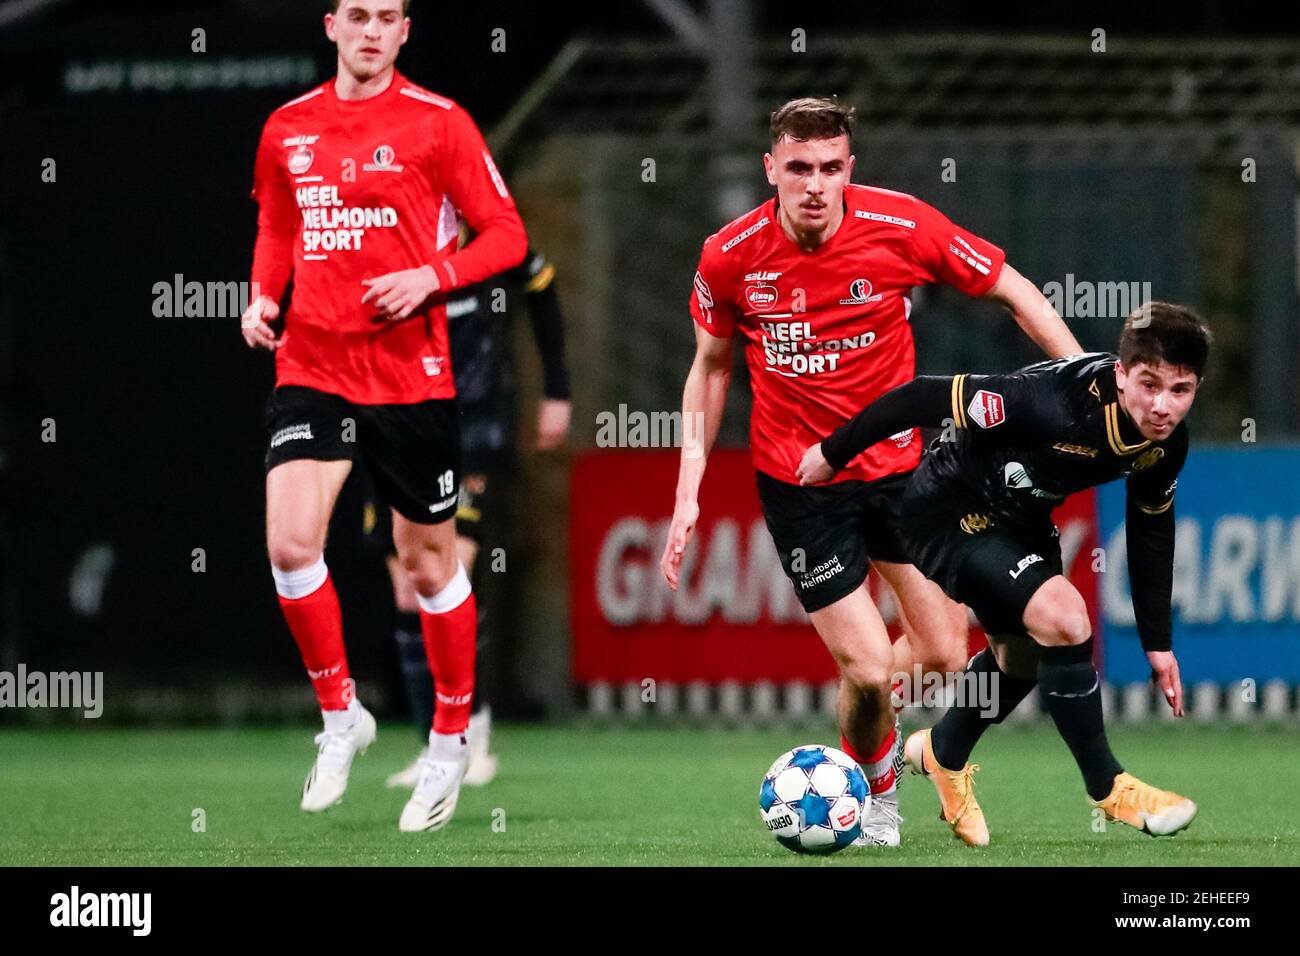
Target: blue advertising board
column 1236, row 594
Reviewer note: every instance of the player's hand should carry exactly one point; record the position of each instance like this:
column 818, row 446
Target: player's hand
column 1164, row 671
column 396, row 295
column 679, row 535
column 553, row 416
column 814, row 470
column 254, row 323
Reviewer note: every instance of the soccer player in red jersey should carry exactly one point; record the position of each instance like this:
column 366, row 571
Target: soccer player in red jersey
column 817, row 283
column 358, row 182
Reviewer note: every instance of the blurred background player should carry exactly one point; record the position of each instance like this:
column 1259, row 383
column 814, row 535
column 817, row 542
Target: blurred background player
column 482, row 370
column 358, row 183
column 977, row 517
column 817, row 281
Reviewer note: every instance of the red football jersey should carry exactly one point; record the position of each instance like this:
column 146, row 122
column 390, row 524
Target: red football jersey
column 827, row 332
column 353, row 189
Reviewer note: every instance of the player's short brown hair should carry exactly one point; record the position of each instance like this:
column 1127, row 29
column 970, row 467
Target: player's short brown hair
column 335, row 4
column 1162, row 332
column 812, row 117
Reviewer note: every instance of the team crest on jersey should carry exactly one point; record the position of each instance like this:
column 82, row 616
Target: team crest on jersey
column 384, row 156
column 860, row 293
column 761, row 297
column 904, row 438
column 432, row 365
column 986, row 409
column 1148, row 458
column 300, row 160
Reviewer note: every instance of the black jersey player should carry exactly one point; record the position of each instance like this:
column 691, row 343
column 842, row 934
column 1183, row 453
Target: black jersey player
column 481, row 365
column 977, row 521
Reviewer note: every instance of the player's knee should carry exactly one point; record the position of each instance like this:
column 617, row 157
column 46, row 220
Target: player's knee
column 945, row 660
column 1063, row 625
column 292, row 554
column 866, row 676
column 429, row 570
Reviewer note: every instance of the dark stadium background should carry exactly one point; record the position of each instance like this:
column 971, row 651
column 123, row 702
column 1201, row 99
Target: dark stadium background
column 159, row 435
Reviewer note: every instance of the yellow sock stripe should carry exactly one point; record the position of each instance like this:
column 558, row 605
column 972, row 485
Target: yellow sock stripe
column 1159, row 510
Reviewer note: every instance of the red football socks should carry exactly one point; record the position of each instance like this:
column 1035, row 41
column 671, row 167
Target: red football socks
column 449, row 621
column 312, row 612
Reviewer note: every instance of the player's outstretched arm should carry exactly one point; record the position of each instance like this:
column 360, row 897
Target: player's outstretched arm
column 1150, row 542
column 1033, row 313
column 703, row 400
column 925, row 401
column 1149, row 536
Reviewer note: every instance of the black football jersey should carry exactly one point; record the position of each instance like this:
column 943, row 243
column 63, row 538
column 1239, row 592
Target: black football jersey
column 1017, row 444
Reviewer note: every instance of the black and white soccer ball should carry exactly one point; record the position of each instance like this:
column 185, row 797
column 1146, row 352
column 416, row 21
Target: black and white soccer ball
column 813, row 799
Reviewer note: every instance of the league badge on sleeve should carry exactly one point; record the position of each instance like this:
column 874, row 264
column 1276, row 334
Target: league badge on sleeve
column 986, row 409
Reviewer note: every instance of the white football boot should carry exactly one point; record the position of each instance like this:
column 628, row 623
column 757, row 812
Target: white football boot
column 436, row 792
column 408, row 776
column 881, row 822
column 341, row 740
column 482, row 764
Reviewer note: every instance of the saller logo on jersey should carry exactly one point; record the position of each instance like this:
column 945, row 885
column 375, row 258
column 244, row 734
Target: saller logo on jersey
column 986, row 409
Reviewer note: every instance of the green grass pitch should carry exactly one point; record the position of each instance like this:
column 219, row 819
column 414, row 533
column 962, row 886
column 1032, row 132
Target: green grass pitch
column 578, row 795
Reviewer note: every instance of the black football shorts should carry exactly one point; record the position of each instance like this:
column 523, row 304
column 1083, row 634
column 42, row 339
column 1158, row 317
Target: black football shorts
column 991, row 567
column 474, row 502
column 828, row 535
column 412, row 452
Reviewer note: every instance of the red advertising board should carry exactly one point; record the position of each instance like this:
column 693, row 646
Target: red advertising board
column 736, row 616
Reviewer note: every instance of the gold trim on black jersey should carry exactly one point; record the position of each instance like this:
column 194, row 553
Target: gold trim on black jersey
column 540, row 281
column 1114, row 436
column 959, row 401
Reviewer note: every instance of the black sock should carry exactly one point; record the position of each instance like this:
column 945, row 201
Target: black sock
column 1072, row 692
column 415, row 670
column 955, row 736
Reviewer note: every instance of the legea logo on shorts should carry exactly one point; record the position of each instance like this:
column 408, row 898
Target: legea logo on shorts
column 1024, row 562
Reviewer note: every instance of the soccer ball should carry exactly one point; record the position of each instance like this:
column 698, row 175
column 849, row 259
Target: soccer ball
column 813, row 799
